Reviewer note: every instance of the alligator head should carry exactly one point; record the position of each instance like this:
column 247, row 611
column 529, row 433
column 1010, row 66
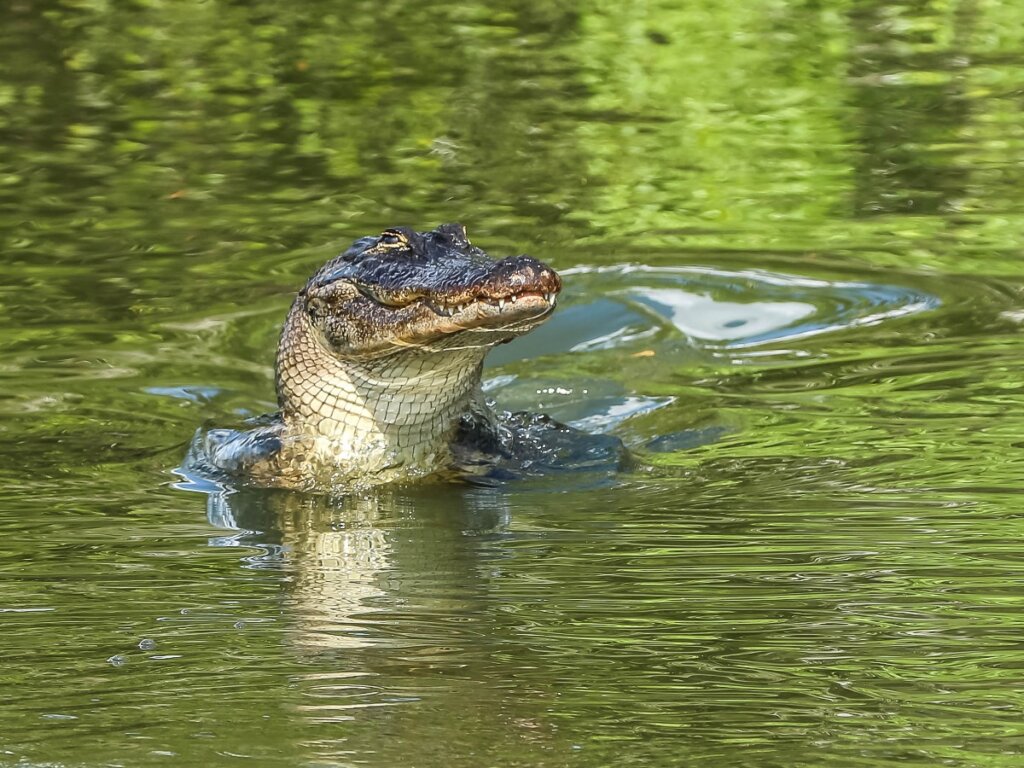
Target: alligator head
column 381, row 353
column 428, row 291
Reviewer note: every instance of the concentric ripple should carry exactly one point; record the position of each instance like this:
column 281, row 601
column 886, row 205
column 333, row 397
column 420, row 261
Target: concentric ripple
column 743, row 308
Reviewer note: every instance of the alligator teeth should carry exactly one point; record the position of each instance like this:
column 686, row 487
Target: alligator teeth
column 550, row 298
column 501, row 304
column 513, row 298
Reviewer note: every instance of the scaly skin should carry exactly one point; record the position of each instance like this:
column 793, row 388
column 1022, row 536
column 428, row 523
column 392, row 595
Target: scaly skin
column 380, row 360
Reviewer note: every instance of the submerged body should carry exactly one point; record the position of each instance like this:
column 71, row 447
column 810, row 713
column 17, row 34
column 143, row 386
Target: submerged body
column 379, row 363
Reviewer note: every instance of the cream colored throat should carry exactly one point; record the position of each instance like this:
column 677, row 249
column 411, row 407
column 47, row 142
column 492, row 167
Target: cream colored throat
column 398, row 411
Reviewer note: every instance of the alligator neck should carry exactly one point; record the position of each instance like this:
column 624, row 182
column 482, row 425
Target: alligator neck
column 392, row 412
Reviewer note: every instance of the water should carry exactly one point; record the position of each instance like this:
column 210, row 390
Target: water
column 790, row 234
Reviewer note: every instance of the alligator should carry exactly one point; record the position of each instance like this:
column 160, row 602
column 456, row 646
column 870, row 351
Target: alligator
column 379, row 364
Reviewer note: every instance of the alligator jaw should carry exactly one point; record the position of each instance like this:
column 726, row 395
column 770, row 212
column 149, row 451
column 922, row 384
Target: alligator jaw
column 511, row 291
column 496, row 300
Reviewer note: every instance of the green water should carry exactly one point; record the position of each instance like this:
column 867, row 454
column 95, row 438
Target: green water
column 791, row 238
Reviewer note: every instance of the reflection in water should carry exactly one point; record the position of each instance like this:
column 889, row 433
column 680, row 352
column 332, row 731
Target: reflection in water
column 704, row 318
column 337, row 558
column 348, row 556
column 911, row 109
column 388, row 601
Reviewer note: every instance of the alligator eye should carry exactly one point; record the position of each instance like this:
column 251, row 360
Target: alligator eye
column 391, row 237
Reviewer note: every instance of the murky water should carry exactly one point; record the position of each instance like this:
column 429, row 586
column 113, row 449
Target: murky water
column 790, row 234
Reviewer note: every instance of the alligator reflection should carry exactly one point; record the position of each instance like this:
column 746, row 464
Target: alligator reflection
column 392, row 616
column 362, row 567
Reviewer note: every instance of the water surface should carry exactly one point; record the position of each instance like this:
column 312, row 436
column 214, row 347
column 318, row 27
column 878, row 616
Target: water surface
column 790, row 234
